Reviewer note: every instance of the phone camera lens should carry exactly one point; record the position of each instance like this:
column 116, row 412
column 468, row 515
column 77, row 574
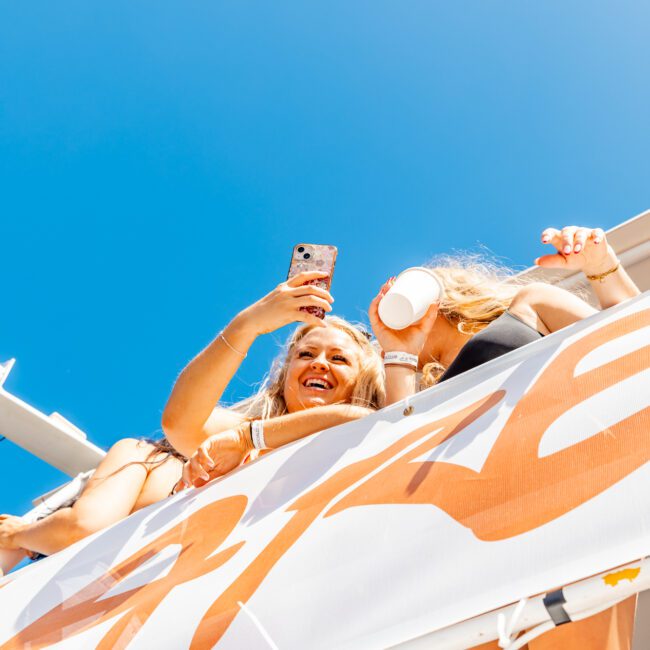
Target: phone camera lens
column 301, row 249
column 306, row 256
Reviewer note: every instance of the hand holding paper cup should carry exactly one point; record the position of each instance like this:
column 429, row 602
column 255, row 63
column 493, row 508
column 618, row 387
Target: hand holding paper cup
column 408, row 300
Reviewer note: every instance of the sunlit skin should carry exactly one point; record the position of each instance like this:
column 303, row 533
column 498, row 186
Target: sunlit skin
column 128, row 478
column 322, row 370
column 544, row 307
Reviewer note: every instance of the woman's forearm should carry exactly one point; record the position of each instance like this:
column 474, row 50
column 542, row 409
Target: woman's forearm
column 200, row 386
column 284, row 429
column 55, row 532
column 224, row 451
column 401, row 382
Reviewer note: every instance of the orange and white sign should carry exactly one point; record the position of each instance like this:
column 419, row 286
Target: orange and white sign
column 519, row 476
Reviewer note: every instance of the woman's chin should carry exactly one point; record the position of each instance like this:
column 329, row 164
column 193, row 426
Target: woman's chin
column 316, row 401
column 309, row 401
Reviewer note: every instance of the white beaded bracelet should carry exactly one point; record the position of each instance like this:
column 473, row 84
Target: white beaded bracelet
column 401, row 359
column 257, row 434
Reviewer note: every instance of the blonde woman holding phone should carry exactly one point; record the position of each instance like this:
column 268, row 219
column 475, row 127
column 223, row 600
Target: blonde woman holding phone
column 329, row 374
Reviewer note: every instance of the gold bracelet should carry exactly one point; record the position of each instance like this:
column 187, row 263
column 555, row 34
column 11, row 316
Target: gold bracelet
column 601, row 276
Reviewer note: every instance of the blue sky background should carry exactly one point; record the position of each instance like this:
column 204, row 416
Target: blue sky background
column 158, row 161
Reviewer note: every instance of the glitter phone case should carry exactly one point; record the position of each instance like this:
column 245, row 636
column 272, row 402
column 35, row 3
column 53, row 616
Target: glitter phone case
column 314, row 257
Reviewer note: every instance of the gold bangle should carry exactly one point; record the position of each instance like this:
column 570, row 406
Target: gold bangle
column 601, row 276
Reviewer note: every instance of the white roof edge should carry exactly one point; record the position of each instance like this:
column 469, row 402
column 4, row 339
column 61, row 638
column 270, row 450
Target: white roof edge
column 52, row 439
column 5, row 369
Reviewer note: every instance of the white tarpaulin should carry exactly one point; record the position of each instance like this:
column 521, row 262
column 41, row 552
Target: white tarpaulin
column 522, row 475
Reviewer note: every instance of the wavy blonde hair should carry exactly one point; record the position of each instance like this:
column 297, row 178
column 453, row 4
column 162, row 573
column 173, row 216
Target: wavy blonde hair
column 476, row 292
column 368, row 390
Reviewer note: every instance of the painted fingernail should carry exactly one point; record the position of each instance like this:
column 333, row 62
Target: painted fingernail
column 577, row 248
column 567, row 249
column 545, row 239
column 597, row 240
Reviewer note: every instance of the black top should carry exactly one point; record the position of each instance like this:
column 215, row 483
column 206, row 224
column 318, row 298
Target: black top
column 502, row 335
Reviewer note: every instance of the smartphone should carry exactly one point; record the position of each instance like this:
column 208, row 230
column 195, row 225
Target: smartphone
column 314, row 257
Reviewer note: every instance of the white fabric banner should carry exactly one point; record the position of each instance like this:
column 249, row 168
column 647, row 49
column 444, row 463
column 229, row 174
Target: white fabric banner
column 517, row 477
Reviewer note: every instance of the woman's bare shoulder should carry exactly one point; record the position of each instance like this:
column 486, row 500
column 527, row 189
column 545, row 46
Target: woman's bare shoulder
column 548, row 308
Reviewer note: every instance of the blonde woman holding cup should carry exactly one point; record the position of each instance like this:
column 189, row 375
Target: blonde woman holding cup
column 484, row 311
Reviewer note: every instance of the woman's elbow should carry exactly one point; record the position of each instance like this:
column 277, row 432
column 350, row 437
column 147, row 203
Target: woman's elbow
column 171, row 425
column 168, row 423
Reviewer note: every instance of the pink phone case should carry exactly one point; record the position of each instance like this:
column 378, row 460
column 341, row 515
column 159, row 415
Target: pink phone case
column 314, row 257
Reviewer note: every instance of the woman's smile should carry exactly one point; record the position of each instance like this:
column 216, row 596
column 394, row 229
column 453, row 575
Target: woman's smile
column 318, row 384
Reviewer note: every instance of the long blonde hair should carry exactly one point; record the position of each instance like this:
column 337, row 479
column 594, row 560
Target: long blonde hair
column 368, row 391
column 476, row 292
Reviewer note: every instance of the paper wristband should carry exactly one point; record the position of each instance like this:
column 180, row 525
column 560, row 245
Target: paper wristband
column 401, row 359
column 257, row 434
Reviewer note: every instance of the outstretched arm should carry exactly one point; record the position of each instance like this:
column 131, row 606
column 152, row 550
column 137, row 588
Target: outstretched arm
column 224, row 451
column 200, row 386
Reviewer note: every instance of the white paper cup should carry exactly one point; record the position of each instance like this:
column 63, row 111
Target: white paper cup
column 414, row 291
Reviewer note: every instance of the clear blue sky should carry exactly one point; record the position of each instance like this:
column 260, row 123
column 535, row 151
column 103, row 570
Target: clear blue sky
column 158, row 161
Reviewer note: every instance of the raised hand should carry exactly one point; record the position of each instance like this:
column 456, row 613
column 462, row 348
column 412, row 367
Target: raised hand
column 578, row 249
column 411, row 339
column 283, row 305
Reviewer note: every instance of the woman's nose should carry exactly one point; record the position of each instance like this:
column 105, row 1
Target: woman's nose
column 319, row 362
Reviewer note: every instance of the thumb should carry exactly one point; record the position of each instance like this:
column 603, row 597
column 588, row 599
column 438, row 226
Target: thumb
column 431, row 315
column 556, row 261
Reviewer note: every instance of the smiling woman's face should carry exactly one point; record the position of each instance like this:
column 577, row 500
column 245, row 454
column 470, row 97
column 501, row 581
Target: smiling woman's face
column 323, row 369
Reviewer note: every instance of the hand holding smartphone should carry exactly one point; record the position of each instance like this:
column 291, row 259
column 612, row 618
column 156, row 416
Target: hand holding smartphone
column 314, row 257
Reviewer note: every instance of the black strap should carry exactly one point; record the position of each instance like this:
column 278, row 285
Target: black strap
column 554, row 602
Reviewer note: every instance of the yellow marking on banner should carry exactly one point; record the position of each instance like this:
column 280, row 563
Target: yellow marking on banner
column 625, row 574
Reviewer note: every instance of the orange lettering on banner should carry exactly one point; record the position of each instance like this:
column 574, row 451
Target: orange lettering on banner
column 516, row 491
column 200, row 534
column 308, row 507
